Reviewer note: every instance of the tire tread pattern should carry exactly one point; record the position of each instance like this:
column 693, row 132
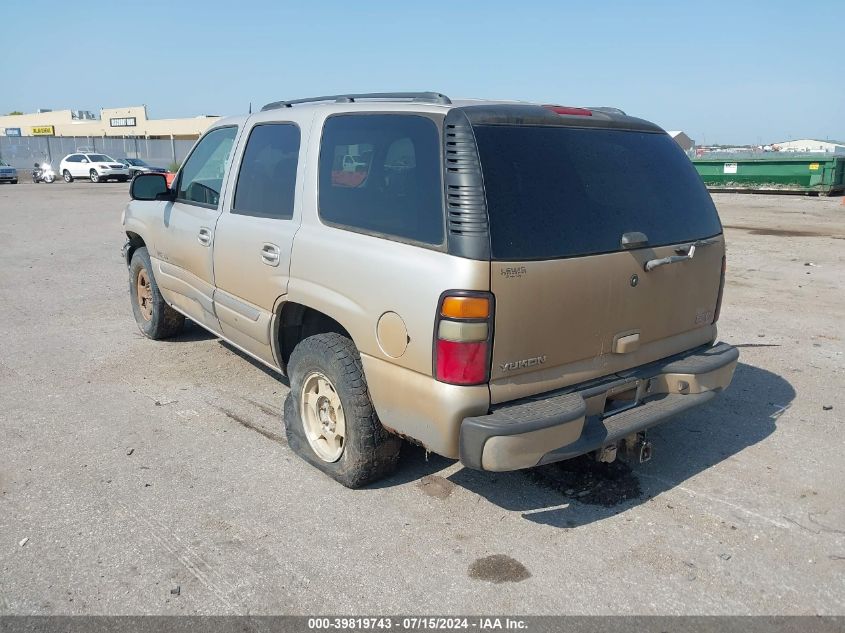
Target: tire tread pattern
column 371, row 452
column 165, row 321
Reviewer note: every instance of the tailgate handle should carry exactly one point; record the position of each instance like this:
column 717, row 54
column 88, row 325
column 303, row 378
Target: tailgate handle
column 654, row 263
column 634, row 239
column 625, row 343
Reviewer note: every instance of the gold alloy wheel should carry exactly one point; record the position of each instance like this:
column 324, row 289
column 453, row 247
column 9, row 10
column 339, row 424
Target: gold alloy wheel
column 322, row 417
column 145, row 295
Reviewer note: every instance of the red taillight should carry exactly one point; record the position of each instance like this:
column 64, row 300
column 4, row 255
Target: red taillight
column 463, row 337
column 721, row 290
column 462, row 363
column 568, row 110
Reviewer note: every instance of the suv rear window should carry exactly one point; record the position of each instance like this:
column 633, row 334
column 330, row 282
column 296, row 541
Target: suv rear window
column 556, row 192
column 380, row 173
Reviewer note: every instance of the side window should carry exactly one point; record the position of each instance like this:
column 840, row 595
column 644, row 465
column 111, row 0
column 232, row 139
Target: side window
column 380, row 173
column 267, row 178
column 202, row 175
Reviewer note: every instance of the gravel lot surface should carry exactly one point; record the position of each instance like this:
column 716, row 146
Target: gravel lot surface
column 129, row 467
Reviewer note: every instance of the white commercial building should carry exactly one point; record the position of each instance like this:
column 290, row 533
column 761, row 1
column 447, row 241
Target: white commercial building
column 116, row 122
column 809, row 145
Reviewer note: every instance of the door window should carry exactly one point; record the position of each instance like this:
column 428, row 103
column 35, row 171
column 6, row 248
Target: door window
column 380, row 174
column 202, row 175
column 267, row 178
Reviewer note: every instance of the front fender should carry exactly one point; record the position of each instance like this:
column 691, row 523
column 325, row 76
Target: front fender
column 138, row 221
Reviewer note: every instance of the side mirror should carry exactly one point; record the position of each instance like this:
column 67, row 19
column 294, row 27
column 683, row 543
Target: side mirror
column 150, row 187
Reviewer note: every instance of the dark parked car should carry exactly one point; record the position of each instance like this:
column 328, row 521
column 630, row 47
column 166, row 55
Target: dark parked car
column 137, row 166
column 8, row 173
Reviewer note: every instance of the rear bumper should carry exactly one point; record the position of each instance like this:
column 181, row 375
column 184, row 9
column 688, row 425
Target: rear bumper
column 560, row 425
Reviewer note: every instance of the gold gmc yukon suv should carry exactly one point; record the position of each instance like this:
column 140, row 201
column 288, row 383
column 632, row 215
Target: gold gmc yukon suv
column 507, row 284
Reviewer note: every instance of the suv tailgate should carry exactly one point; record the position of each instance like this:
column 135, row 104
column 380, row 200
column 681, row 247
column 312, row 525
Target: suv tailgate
column 557, row 321
column 567, row 290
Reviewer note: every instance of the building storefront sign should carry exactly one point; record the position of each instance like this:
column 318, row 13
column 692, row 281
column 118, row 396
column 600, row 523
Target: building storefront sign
column 43, row 130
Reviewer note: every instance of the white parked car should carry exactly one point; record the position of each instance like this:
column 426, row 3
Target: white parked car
column 96, row 167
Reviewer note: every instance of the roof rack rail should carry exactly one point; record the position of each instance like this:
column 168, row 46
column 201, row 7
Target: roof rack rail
column 430, row 97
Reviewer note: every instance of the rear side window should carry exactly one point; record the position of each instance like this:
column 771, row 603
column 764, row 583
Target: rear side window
column 267, row 179
column 561, row 192
column 201, row 178
column 380, row 173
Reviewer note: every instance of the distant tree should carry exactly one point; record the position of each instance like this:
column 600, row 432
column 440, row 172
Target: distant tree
column 15, row 113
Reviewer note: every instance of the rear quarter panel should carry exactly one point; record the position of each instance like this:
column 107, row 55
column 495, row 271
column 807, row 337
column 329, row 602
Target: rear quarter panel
column 357, row 278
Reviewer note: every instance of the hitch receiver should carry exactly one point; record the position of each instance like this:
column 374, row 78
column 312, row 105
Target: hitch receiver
column 638, row 447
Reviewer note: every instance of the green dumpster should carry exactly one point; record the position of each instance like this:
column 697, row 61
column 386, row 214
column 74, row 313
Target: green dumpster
column 823, row 174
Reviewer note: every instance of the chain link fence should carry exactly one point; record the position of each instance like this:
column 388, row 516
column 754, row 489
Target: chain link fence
column 22, row 151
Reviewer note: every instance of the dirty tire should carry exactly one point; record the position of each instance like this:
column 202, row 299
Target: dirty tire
column 370, row 452
column 163, row 320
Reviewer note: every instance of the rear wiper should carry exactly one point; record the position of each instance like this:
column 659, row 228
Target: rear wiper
column 674, row 259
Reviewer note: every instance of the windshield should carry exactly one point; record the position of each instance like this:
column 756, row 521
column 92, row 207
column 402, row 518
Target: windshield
column 3, row 163
column 100, row 158
column 556, row 192
column 136, row 162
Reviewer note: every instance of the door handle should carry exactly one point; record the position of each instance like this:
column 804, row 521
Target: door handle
column 204, row 236
column 270, row 254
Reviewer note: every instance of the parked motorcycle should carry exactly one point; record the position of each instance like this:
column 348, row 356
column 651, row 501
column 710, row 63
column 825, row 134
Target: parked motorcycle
column 43, row 173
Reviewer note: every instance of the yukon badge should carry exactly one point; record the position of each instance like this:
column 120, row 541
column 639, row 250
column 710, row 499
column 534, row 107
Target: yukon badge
column 519, row 364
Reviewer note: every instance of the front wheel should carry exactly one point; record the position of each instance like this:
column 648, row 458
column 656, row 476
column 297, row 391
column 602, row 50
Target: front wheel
column 66, row 175
column 49, row 179
column 154, row 317
column 94, row 176
column 330, row 420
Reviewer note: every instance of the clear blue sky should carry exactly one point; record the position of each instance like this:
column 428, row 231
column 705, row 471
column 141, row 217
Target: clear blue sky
column 726, row 72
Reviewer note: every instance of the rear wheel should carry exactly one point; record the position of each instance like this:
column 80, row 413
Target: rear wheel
column 329, row 419
column 94, row 176
column 154, row 317
column 66, row 175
